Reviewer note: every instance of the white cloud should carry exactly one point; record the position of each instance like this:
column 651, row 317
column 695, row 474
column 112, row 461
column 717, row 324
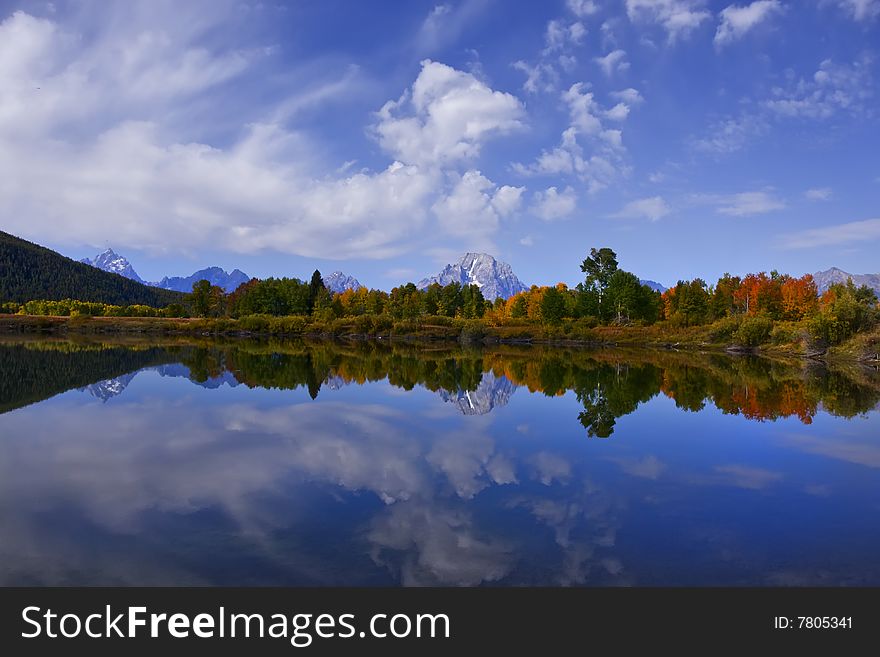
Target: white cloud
column 606, row 161
column 833, row 88
column 81, row 164
column 445, row 117
column 612, row 63
column 528, row 240
column 582, row 8
column 678, row 17
column 474, row 206
column 559, row 35
column 652, row 208
column 540, row 77
column 618, row 113
column 567, row 62
column 860, row 9
column 630, row 96
column 819, row 194
column 552, row 204
column 731, row 134
column 583, row 109
column 737, row 20
column 854, row 232
column 748, row 203
column 445, row 23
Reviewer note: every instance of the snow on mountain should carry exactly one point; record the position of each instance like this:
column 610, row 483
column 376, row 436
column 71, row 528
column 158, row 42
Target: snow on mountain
column 492, row 392
column 827, row 278
column 114, row 263
column 495, row 279
column 339, row 282
column 214, row 275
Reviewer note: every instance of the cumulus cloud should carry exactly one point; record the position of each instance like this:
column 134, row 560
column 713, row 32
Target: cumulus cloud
column 539, row 77
column 629, row 96
column 737, row 20
column 474, row 205
column 582, row 8
column 445, row 117
column 653, row 208
column 553, row 204
column 583, row 109
column 605, row 161
column 559, row 35
column 678, row 17
column 612, row 63
column 103, row 139
column 618, row 113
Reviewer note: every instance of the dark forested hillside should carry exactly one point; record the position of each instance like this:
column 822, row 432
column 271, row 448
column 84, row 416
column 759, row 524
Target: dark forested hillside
column 29, row 271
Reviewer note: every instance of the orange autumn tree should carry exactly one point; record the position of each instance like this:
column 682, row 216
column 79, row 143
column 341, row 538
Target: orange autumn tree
column 799, row 297
column 760, row 294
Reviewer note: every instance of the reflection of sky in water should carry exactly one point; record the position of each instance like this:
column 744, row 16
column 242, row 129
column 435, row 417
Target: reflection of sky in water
column 169, row 482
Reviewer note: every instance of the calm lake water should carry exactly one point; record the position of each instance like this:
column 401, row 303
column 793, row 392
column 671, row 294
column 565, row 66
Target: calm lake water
column 261, row 463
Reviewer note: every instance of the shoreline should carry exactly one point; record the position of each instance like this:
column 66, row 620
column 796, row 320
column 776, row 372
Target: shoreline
column 861, row 348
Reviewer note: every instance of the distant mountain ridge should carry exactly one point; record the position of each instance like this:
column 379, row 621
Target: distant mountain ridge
column 827, row 278
column 112, row 262
column 339, row 282
column 654, row 285
column 494, row 278
column 214, row 275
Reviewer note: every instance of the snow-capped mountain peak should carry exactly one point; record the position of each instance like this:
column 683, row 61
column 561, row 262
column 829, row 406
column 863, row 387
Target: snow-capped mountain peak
column 114, row 263
column 494, row 278
column 339, row 282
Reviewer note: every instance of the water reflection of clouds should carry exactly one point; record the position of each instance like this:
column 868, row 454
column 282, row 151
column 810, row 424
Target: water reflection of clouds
column 111, row 469
column 447, row 489
column 841, row 449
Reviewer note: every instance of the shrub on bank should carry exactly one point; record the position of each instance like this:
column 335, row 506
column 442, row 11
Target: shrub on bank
column 753, row 331
column 724, row 329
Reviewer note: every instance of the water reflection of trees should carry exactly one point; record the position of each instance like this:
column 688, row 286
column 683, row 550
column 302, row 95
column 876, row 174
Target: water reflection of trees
column 608, row 383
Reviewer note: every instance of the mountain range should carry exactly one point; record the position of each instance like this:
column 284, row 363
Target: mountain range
column 494, row 278
column 112, row 262
column 214, row 275
column 827, row 278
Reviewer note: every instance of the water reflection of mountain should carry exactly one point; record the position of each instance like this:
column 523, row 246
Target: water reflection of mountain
column 608, row 383
column 109, row 388
column 492, row 392
column 179, row 370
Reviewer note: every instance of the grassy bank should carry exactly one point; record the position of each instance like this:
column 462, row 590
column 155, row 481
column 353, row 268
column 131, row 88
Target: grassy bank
column 780, row 338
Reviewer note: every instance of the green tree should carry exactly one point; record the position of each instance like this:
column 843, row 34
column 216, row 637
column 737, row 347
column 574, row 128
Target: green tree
column 207, row 300
column 552, row 306
column 599, row 268
column 315, row 287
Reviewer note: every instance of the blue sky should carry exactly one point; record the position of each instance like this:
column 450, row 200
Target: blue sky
column 387, row 138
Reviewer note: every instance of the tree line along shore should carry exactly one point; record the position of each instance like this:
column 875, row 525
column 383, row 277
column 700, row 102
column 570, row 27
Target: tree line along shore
column 773, row 313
